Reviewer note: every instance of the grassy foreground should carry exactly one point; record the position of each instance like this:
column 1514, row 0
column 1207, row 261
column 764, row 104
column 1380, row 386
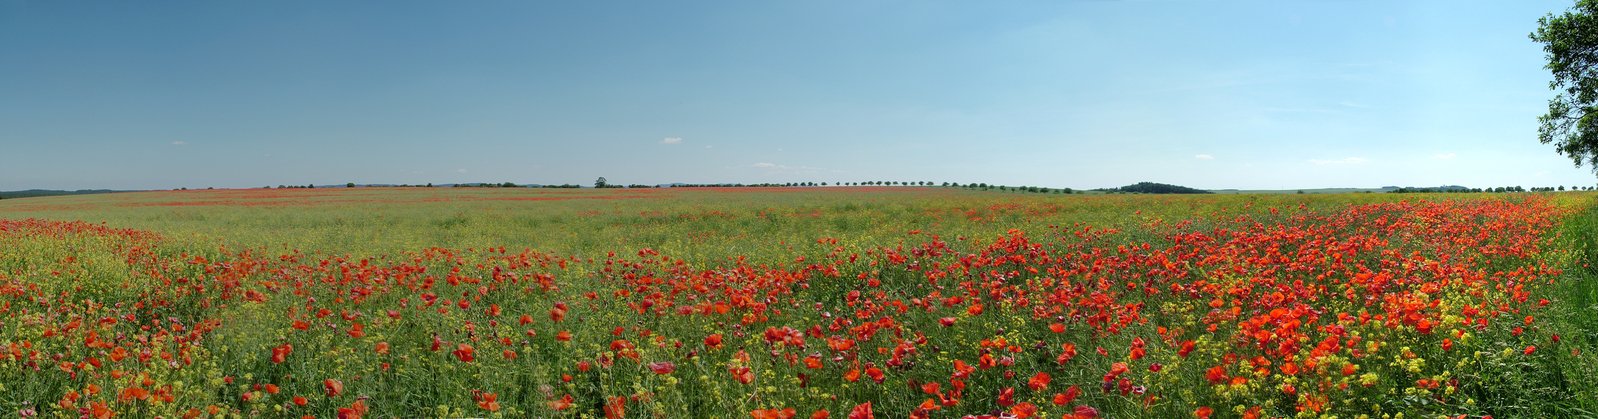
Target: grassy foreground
column 841, row 302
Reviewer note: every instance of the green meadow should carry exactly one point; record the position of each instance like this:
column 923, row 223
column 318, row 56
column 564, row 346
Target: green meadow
column 796, row 302
column 695, row 223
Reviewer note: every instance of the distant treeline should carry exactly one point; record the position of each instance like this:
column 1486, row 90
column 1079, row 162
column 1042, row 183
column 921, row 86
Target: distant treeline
column 1500, row 189
column 1140, row 187
column 513, row 185
column 31, row 193
column 1031, row 189
column 1155, row 188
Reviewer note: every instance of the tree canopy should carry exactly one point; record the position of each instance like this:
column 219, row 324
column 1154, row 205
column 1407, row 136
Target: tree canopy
column 1570, row 41
column 1159, row 188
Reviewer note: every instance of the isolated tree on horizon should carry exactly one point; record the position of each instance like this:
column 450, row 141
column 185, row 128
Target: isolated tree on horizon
column 600, row 183
column 1570, row 41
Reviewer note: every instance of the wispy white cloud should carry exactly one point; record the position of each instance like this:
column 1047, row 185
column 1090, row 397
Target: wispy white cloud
column 460, row 170
column 180, row 143
column 764, row 165
column 671, row 140
column 1204, row 157
column 1340, row 162
column 1445, row 156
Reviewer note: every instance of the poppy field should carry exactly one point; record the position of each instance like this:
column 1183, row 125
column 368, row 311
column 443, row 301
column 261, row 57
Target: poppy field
column 807, row 303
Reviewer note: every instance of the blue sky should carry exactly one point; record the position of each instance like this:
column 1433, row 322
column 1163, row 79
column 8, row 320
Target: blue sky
column 1083, row 94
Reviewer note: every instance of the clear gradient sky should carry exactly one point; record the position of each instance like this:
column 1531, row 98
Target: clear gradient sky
column 1082, row 94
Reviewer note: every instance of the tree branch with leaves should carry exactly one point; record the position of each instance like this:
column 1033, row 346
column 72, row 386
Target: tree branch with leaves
column 1570, row 41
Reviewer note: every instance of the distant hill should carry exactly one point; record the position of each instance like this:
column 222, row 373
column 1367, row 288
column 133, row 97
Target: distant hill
column 31, row 193
column 1159, row 188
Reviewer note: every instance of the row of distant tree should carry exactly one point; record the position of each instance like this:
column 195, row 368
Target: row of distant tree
column 1499, row 189
column 31, row 193
column 1140, row 187
column 1032, row 189
column 605, row 184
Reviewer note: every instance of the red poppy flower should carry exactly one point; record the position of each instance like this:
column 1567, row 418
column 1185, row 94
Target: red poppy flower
column 862, row 411
column 279, row 353
column 1039, row 381
column 464, row 352
column 742, row 374
column 489, row 402
column 333, row 387
column 563, row 403
column 616, row 407
column 1024, row 410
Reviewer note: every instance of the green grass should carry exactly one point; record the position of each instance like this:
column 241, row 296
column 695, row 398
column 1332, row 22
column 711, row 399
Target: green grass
column 1576, row 294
